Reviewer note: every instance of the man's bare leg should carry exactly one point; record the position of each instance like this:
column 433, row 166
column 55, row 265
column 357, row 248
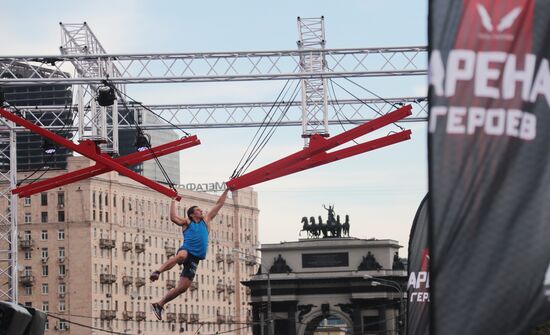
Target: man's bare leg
column 182, row 286
column 179, row 258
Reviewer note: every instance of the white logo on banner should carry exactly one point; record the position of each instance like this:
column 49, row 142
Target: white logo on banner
column 494, row 75
column 505, row 23
column 547, row 283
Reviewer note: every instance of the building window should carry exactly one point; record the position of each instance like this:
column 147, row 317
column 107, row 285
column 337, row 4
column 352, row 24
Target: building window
column 44, row 235
column 28, row 254
column 62, row 325
column 61, row 199
column 46, row 325
column 45, row 307
column 27, row 235
column 93, row 215
column 28, row 218
column 93, row 198
column 44, row 199
column 28, row 290
column 62, row 306
column 114, row 200
column 106, row 200
column 62, row 270
column 61, row 253
column 44, row 217
column 27, row 201
column 44, row 270
column 106, row 217
column 27, row 271
column 61, row 234
column 44, row 253
column 45, row 289
column 61, row 288
column 61, row 216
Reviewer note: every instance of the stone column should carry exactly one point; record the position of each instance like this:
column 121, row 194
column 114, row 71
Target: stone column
column 357, row 322
column 292, row 318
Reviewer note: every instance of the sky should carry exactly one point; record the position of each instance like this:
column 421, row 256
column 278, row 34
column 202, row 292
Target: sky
column 380, row 190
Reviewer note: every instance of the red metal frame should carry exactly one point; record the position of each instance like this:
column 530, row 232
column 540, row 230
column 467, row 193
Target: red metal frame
column 316, row 155
column 90, row 150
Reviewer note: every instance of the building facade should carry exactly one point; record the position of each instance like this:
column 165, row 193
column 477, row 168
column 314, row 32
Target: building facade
column 321, row 286
column 30, row 151
column 86, row 251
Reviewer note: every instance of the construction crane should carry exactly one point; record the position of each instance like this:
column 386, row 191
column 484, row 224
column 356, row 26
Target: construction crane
column 81, row 53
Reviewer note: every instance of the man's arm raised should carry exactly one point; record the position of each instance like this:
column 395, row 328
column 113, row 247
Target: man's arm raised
column 219, row 204
column 174, row 217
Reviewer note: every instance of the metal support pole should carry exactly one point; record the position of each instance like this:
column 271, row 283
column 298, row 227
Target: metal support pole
column 269, row 315
column 13, row 213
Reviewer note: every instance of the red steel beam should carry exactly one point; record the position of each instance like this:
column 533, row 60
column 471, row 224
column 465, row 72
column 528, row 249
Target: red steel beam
column 319, row 144
column 90, row 150
column 325, row 158
column 92, row 171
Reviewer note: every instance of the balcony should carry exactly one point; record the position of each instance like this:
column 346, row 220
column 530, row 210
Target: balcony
column 127, row 280
column 229, row 258
column 219, row 257
column 126, row 246
column 107, row 314
column 220, row 318
column 140, row 316
column 107, row 278
column 230, row 288
column 220, row 287
column 170, row 251
column 248, row 291
column 61, row 277
column 127, row 315
column 61, row 296
column 140, row 247
column 26, row 280
column 182, row 317
column 171, row 317
column 105, row 243
column 140, row 281
column 170, row 283
column 193, row 318
column 61, row 260
column 26, row 244
column 194, row 286
column 250, row 262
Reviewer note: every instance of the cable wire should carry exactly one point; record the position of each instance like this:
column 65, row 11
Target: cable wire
column 140, row 132
column 366, row 104
column 86, row 326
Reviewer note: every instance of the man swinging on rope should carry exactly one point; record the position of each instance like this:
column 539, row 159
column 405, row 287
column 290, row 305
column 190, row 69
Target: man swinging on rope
column 196, row 229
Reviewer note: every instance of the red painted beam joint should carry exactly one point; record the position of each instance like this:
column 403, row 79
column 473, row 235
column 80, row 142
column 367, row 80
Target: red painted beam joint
column 90, row 150
column 316, row 155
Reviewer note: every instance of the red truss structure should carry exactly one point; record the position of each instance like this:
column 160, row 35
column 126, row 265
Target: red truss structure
column 104, row 163
column 316, row 153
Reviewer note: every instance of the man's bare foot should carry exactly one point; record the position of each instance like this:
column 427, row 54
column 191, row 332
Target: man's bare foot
column 154, row 276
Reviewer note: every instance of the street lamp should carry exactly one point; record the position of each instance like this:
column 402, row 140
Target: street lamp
column 257, row 260
column 392, row 284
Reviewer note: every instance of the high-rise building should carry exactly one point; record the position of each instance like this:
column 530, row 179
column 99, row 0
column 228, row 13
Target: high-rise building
column 86, row 251
column 150, row 168
column 30, row 149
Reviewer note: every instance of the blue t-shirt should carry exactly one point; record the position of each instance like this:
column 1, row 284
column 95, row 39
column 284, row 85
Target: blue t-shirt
column 195, row 239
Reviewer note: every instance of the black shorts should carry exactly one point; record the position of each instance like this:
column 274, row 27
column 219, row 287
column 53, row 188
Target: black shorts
column 190, row 266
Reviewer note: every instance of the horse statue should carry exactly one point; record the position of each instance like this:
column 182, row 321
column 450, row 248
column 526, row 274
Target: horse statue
column 305, row 226
column 345, row 226
column 313, row 228
column 337, row 227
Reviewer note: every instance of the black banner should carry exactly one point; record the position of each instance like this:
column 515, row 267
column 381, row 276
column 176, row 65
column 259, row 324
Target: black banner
column 418, row 286
column 489, row 166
